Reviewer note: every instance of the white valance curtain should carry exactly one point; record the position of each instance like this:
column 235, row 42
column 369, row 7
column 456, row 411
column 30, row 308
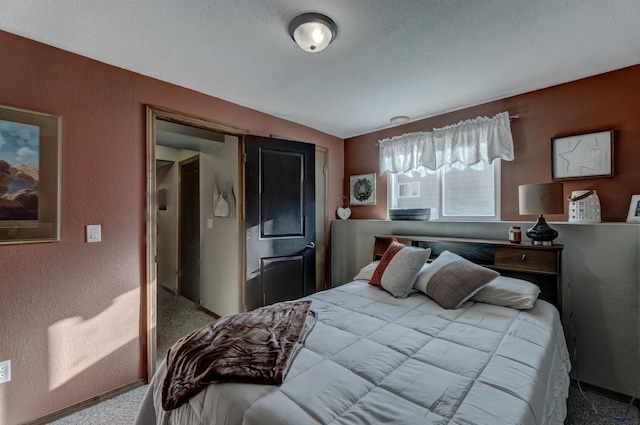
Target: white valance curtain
column 466, row 143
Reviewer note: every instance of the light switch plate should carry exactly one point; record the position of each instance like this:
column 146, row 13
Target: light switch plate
column 94, row 233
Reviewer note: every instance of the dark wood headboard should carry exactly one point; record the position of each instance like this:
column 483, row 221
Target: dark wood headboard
column 539, row 264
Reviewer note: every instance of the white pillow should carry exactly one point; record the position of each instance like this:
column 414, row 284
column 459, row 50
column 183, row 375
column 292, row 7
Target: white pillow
column 366, row 272
column 422, row 278
column 509, row 292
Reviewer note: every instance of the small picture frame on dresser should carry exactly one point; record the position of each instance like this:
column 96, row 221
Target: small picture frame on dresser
column 634, row 210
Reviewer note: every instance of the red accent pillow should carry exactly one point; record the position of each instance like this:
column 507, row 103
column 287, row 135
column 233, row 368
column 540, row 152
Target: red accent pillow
column 393, row 248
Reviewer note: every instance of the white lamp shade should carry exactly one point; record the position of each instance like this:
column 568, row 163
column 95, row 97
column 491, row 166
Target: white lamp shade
column 312, row 32
column 543, row 198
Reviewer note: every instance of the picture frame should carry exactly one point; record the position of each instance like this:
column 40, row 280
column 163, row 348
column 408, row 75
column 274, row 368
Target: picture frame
column 29, row 176
column 582, row 156
column 634, row 210
column 362, row 189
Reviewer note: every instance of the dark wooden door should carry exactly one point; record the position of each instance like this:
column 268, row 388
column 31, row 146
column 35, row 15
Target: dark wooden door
column 189, row 258
column 280, row 220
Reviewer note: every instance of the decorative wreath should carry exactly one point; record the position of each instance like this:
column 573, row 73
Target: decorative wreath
column 362, row 189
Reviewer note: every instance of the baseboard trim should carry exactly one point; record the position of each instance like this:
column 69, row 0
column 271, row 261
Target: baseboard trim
column 59, row 414
column 169, row 290
column 209, row 312
column 607, row 393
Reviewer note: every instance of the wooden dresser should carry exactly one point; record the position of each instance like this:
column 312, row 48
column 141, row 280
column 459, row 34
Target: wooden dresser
column 540, row 264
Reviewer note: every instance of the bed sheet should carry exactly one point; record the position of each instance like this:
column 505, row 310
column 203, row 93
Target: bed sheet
column 372, row 358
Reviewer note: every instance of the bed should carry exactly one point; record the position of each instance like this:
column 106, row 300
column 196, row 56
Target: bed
column 373, row 357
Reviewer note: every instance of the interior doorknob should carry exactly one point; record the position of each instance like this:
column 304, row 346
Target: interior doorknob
column 311, row 245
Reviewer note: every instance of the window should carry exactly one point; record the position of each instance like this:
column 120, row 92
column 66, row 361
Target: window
column 471, row 193
column 409, row 189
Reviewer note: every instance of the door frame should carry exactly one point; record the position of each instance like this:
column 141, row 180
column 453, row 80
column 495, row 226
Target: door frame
column 320, row 150
column 150, row 287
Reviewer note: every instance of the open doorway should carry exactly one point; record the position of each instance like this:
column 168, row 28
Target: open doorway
column 178, row 242
column 189, row 263
column 222, row 242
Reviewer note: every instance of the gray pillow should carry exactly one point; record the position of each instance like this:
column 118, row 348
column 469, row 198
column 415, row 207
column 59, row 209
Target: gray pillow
column 451, row 280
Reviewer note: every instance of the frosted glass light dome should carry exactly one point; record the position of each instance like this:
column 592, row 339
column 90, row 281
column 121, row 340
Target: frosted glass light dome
column 313, row 32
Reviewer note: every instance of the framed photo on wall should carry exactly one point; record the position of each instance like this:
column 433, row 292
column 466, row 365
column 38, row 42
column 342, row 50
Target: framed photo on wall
column 585, row 155
column 362, row 188
column 29, row 176
column 634, row 210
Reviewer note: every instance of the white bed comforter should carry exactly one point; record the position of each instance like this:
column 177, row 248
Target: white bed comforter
column 374, row 359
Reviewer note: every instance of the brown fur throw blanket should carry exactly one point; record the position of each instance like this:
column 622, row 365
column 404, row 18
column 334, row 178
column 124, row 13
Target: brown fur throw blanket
column 255, row 347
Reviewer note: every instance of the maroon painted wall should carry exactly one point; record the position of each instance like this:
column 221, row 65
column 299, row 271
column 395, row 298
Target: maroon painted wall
column 604, row 101
column 71, row 313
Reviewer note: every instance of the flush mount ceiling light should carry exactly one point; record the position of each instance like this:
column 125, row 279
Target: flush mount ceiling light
column 313, row 32
column 399, row 120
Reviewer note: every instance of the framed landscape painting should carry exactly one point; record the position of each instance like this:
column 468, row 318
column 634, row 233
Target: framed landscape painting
column 29, row 176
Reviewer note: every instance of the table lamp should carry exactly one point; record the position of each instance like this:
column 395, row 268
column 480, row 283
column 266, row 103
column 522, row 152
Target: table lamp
column 543, row 198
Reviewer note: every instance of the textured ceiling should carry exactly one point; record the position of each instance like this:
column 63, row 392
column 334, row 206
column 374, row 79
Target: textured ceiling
column 391, row 57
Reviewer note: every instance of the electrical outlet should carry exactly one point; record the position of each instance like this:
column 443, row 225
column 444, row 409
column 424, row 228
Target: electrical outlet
column 5, row 371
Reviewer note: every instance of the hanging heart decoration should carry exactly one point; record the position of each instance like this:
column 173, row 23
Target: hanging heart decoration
column 344, row 212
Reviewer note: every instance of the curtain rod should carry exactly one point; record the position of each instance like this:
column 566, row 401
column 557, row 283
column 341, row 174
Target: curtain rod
column 511, row 118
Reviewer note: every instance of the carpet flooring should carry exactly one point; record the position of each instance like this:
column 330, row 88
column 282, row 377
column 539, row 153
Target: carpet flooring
column 178, row 316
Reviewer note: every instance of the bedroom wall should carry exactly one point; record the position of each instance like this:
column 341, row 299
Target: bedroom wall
column 71, row 313
column 604, row 101
column 601, row 271
column 219, row 248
